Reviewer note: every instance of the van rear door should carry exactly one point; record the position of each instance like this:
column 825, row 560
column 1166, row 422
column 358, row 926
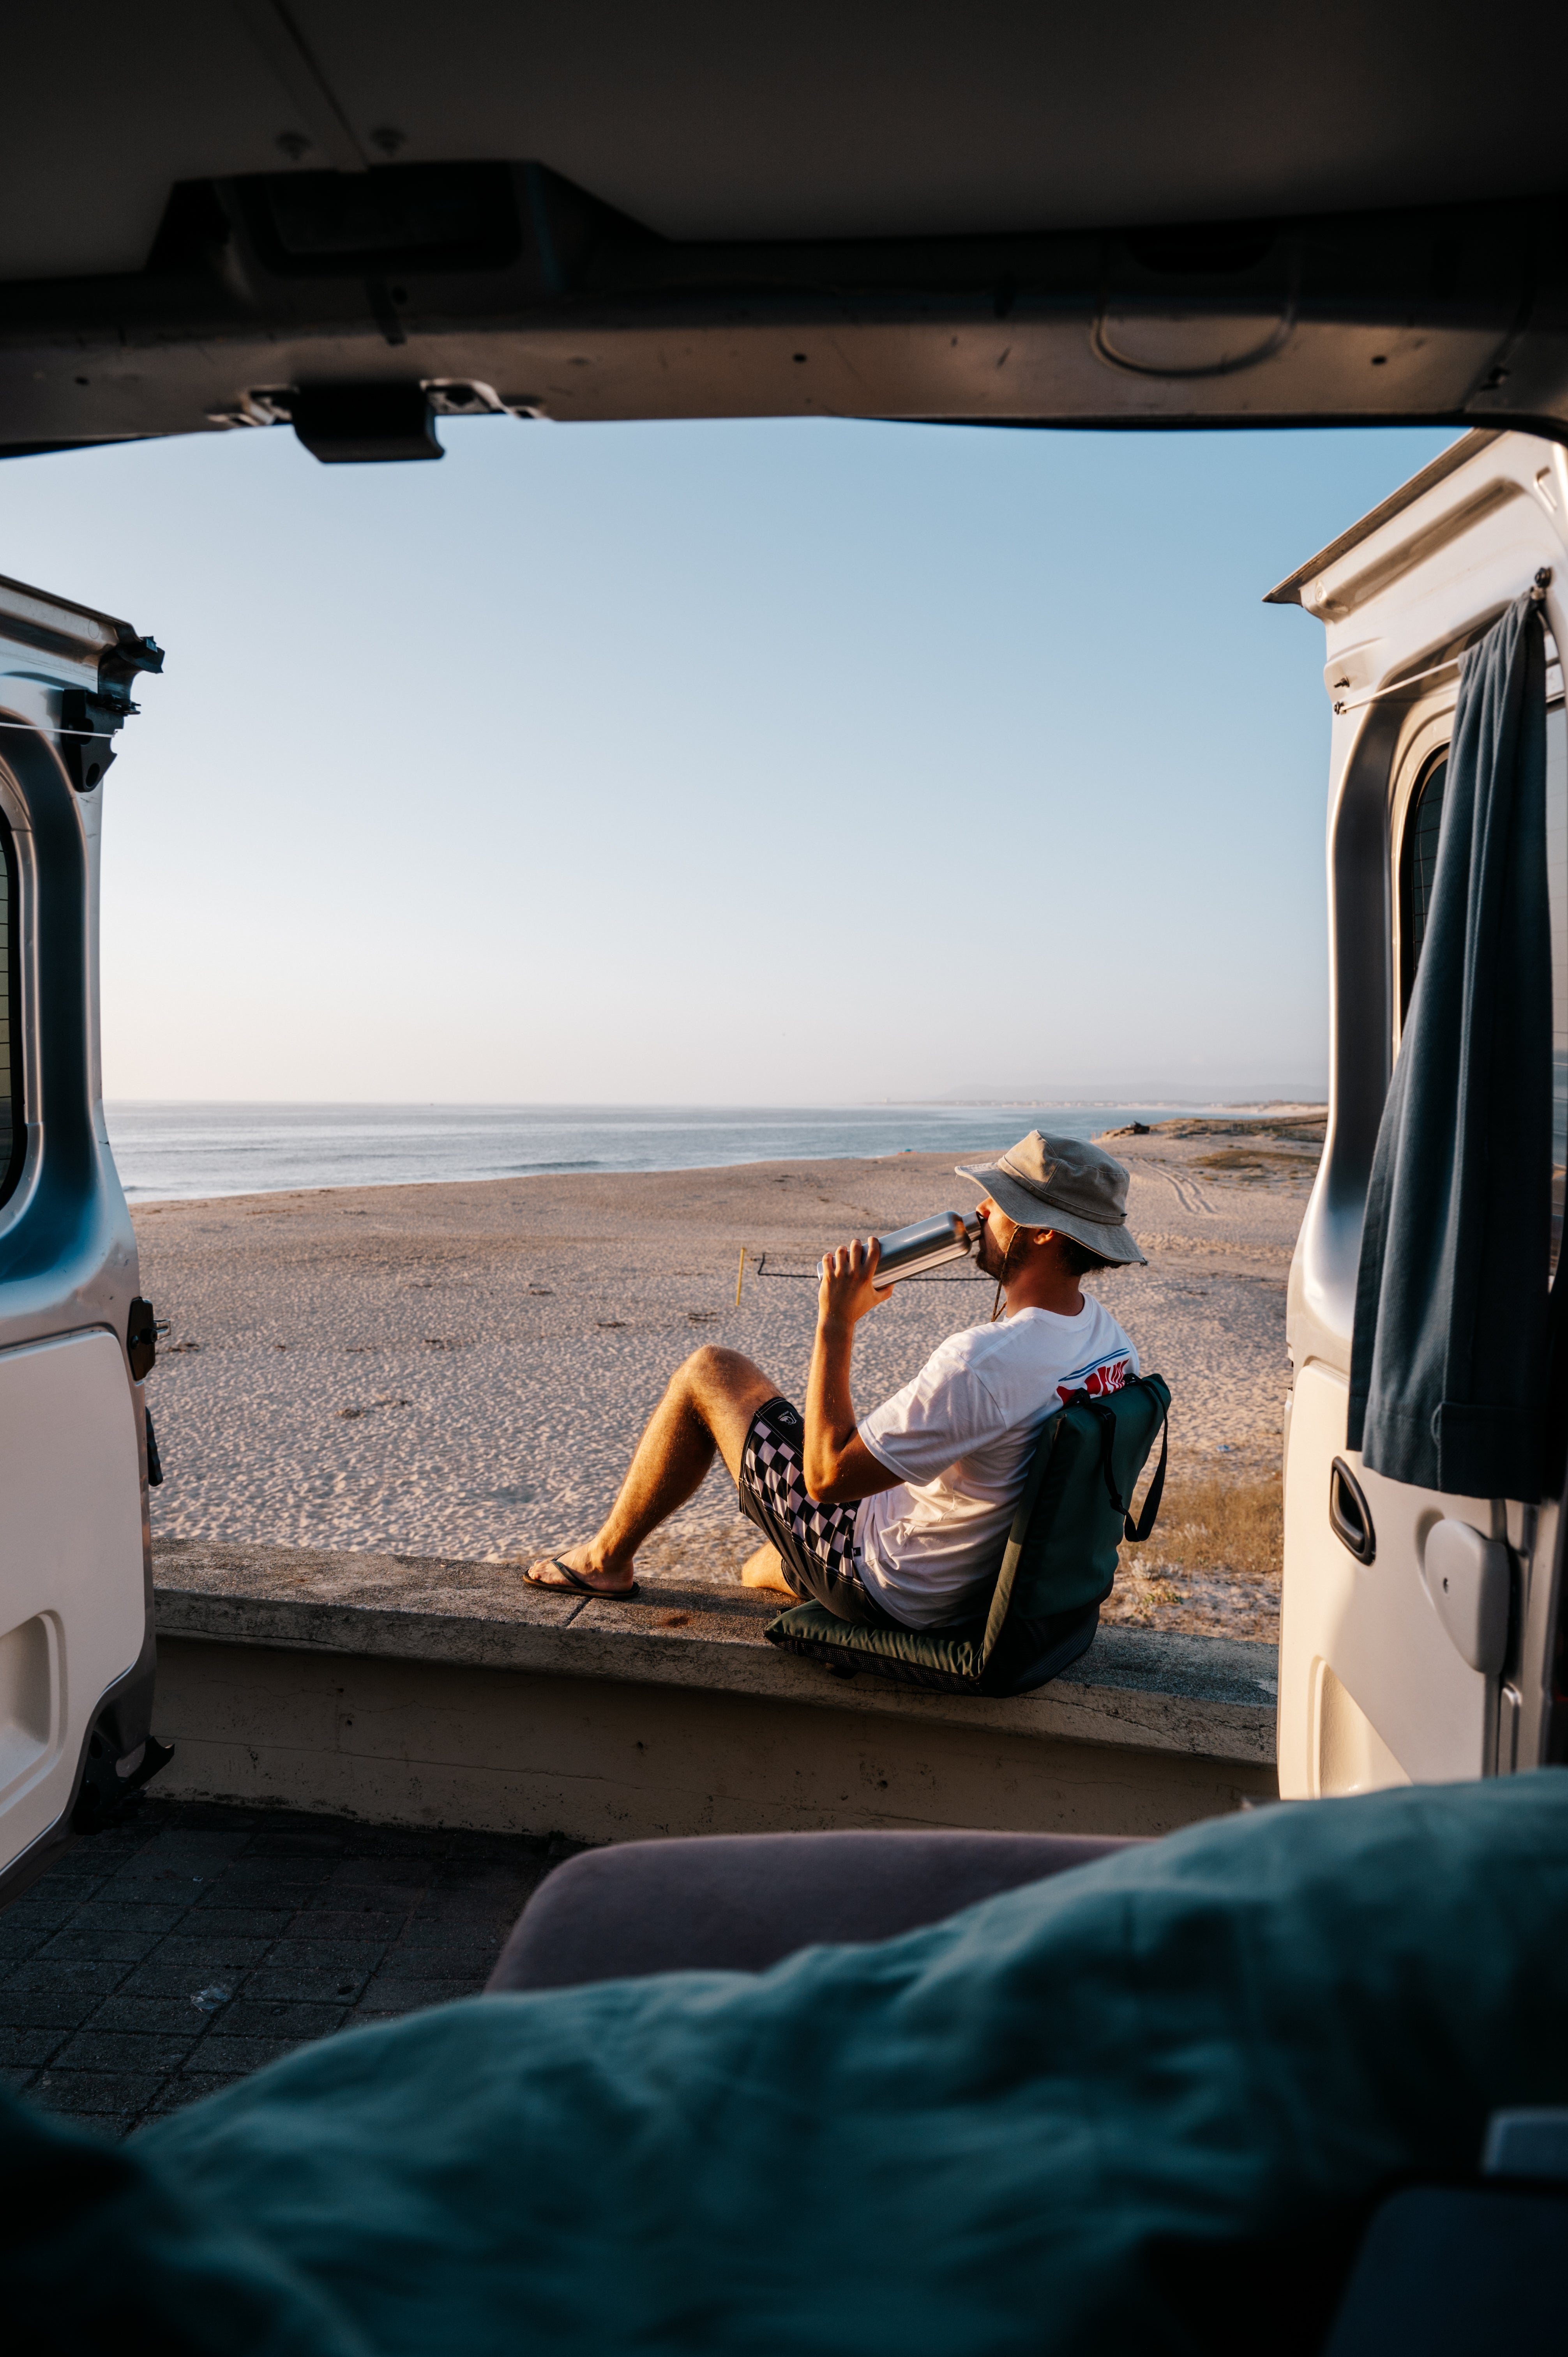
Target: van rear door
column 76, row 1640
column 1416, row 1627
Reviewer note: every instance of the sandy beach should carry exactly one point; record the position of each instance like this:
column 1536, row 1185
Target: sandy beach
column 462, row 1370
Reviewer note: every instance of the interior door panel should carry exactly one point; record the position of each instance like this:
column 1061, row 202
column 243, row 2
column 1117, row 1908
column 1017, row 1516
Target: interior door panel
column 1372, row 1626
column 70, row 1564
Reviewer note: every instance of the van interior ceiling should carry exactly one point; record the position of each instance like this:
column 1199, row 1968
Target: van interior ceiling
column 354, row 219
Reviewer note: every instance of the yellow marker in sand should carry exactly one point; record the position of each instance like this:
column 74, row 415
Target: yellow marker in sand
column 739, row 1276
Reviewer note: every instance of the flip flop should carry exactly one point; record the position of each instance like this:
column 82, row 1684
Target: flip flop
column 606, row 1595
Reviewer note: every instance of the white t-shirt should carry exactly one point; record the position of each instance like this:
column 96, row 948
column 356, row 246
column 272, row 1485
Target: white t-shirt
column 961, row 1435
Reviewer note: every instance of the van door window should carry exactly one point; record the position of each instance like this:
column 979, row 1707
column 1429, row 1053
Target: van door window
column 1418, row 866
column 12, row 1132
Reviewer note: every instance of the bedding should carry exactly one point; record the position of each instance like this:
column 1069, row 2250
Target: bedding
column 1148, row 2103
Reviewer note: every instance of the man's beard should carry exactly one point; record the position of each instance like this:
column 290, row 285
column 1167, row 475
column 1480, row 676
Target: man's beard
column 988, row 1253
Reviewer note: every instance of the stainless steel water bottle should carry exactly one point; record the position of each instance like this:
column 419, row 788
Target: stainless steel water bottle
column 910, row 1252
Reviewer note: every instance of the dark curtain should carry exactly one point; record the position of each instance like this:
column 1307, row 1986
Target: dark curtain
column 1449, row 1358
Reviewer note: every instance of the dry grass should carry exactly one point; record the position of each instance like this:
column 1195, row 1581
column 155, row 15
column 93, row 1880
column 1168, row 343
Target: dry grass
column 1211, row 1567
column 1248, row 1164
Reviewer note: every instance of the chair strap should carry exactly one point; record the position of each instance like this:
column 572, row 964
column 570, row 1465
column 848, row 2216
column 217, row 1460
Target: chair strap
column 1105, row 1417
column 1156, row 1489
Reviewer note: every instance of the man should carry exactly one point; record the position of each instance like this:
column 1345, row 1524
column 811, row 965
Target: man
column 900, row 1516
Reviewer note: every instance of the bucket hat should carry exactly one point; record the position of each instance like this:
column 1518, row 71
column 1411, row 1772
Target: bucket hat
column 1063, row 1183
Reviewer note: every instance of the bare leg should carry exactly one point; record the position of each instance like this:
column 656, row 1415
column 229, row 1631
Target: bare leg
column 709, row 1404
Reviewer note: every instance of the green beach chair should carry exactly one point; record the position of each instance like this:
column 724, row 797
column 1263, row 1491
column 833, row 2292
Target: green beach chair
column 1057, row 1570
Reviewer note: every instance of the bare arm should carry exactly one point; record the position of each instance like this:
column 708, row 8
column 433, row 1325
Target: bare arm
column 839, row 1466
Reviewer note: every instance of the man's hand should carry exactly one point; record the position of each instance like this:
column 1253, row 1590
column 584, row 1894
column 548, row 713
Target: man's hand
column 849, row 1286
column 839, row 1466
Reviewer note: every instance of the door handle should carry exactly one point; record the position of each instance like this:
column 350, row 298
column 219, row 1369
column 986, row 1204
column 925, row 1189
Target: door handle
column 1348, row 1512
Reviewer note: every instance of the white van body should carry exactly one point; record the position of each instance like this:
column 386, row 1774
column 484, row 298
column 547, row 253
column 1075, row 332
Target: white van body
column 76, row 1638
column 1436, row 1659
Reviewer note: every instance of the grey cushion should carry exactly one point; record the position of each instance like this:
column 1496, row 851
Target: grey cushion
column 737, row 1902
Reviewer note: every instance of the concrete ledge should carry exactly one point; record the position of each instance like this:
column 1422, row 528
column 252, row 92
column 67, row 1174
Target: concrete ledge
column 446, row 1692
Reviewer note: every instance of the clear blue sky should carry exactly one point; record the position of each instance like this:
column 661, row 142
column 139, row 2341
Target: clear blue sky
column 731, row 763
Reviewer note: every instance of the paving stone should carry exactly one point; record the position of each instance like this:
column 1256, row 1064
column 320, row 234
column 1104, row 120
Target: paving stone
column 49, row 1976
column 277, row 2018
column 246, row 2054
column 44, row 2009
column 16, row 1945
column 453, row 1961
column 204, row 1952
column 292, row 1984
column 225, row 1817
column 29, row 2049
column 431, row 1932
column 153, row 2016
column 452, row 1912
column 120, row 2093
column 479, row 1879
column 240, row 1888
column 126, row 1831
column 97, row 2049
column 221, row 1920
column 284, row 1861
column 345, row 1956
column 152, row 1880
column 381, row 1901
column 44, row 1909
column 131, row 1914
column 337, row 1923
column 305, row 1826
column 17, row 2076
column 409, row 1996
column 389, row 1873
column 65, row 1883
column 191, row 1845
column 398, row 1841
column 78, row 1944
column 176, row 1984
column 302, row 1861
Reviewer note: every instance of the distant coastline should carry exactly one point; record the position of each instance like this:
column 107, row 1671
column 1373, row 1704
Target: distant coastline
column 171, row 1152
column 1301, row 1102
column 1194, row 1102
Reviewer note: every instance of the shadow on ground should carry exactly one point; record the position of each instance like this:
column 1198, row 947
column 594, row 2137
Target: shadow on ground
column 174, row 1952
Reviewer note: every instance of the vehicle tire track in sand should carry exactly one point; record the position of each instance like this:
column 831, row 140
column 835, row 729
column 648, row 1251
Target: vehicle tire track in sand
column 1190, row 1193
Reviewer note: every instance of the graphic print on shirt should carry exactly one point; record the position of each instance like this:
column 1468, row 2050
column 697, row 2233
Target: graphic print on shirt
column 1105, row 1375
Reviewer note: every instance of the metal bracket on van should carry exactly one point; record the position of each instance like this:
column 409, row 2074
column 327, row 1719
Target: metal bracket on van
column 107, row 1784
column 89, row 717
column 87, row 723
column 141, row 1330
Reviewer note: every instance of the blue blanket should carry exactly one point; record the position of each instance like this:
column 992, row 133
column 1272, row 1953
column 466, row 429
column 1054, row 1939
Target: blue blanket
column 1117, row 2109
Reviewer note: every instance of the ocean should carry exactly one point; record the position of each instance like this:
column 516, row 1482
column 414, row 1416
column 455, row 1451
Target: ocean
column 167, row 1151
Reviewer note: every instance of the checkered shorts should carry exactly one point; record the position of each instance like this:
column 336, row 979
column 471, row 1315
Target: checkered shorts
column 815, row 1543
